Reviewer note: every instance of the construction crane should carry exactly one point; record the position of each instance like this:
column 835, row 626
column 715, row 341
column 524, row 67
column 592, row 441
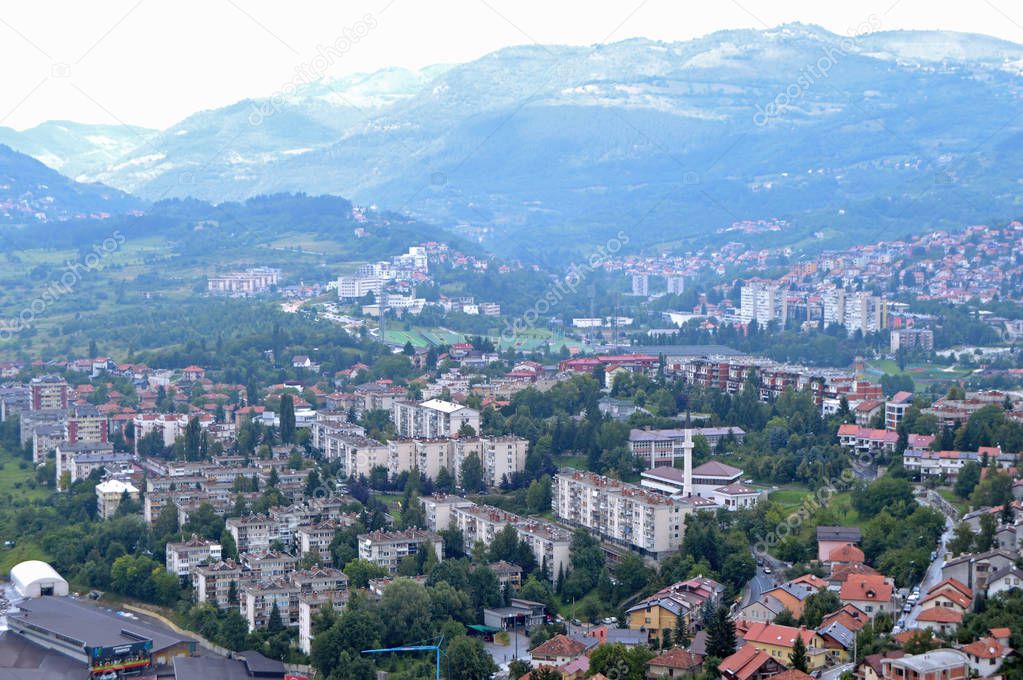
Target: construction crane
column 415, row 648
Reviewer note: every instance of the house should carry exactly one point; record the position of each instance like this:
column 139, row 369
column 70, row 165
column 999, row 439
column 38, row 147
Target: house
column 987, row 654
column 838, row 640
column 870, row 667
column 872, row 594
column 941, row 620
column 973, row 569
column 950, row 594
column 662, row 609
column 777, row 642
column 846, row 554
column 749, row 663
column 867, row 439
column 1004, row 579
column 849, row 616
column 938, row 664
column 561, row 649
column 672, row 664
column 830, row 538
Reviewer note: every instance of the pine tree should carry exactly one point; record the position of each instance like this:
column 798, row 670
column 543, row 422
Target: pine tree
column 274, row 623
column 721, row 634
column 287, row 419
column 797, row 658
column 681, row 637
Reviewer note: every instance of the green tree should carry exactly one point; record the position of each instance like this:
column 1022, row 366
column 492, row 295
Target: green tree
column 967, row 480
column 818, row 605
column 798, row 659
column 721, row 634
column 469, row 660
column 287, row 419
column 472, row 473
column 617, row 660
column 405, row 611
column 360, row 571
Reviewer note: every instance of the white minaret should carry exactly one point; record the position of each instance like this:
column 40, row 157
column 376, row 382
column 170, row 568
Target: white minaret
column 687, row 464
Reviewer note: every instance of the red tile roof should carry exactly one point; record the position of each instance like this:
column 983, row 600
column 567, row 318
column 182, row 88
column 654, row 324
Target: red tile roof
column 940, row 615
column 558, row 646
column 744, row 663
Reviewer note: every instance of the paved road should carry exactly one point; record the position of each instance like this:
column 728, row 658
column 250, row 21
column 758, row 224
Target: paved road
column 933, row 574
column 761, row 582
column 834, row 672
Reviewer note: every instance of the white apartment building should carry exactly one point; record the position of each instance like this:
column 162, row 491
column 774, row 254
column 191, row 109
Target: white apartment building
column 309, row 604
column 388, row 548
column 857, row 311
column 109, row 495
column 432, row 419
column 763, row 302
column 354, row 287
column 253, row 533
column 211, row 583
column 620, row 512
column 183, row 557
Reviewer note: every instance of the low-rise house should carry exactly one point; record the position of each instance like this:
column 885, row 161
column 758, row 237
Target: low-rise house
column 872, row 594
column 777, row 641
column 829, row 538
column 1003, row 580
column 987, row 654
column 974, row 569
column 674, row 663
column 938, row 664
column 749, row 663
column 941, row 620
column 561, row 649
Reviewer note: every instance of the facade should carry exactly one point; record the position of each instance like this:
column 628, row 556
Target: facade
column 432, row 419
column 763, row 302
column 109, row 495
column 620, row 512
column 183, row 557
column 212, row 583
column 938, row 664
column 248, row 282
column 86, row 424
column 48, row 392
column 912, row 339
column 387, row 548
column 895, row 410
column 354, row 287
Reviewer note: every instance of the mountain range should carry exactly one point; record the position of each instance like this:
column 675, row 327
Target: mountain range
column 32, row 193
column 546, row 150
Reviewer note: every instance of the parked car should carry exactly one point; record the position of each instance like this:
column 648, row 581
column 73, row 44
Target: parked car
column 907, row 608
column 767, row 570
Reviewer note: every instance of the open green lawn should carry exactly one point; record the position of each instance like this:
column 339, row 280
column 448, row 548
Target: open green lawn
column 570, row 461
column 919, row 372
column 789, row 497
column 24, row 550
column 961, row 505
column 17, row 483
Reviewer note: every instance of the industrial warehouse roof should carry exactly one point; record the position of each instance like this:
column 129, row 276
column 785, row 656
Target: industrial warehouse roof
column 90, row 624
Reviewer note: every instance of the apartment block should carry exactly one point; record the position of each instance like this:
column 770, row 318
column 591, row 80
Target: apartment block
column 624, row 513
column 432, row 419
column 388, row 548
column 184, row 556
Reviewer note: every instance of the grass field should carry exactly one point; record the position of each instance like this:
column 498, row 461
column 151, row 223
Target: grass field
column 960, row 505
column 17, row 483
column 918, row 372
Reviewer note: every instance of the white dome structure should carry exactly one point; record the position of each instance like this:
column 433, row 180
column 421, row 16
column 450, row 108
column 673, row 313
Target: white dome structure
column 35, row 579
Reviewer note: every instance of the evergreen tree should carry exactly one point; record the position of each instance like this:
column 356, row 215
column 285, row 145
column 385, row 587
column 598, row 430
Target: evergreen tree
column 287, row 419
column 721, row 634
column 274, row 623
column 797, row 659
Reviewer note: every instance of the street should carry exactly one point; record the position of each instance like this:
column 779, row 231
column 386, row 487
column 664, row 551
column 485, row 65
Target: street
column 933, row 574
column 761, row 582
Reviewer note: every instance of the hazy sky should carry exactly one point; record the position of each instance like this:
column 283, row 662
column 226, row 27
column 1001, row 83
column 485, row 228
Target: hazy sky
column 153, row 62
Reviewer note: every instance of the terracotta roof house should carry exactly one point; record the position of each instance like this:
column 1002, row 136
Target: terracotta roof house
column 870, row 593
column 749, row 663
column 672, row 663
column 846, row 554
column 986, row 655
column 559, row 650
column 941, row 620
